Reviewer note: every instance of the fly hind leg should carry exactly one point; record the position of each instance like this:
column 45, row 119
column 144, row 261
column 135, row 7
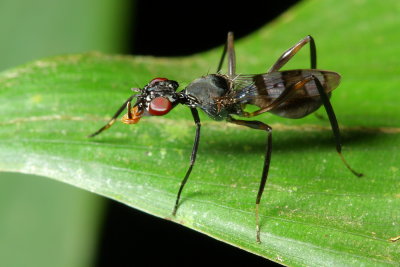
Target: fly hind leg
column 327, row 105
column 334, row 124
column 288, row 54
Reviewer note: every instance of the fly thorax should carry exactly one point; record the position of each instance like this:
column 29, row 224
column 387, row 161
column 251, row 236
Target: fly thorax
column 208, row 88
column 209, row 92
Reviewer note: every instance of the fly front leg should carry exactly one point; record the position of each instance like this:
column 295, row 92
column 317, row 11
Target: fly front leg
column 196, row 118
column 127, row 105
column 259, row 126
column 230, row 49
column 288, row 54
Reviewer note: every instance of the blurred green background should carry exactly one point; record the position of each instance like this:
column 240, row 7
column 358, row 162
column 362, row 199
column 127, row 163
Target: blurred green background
column 43, row 222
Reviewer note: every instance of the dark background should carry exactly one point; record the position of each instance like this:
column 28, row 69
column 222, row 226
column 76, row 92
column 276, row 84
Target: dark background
column 168, row 28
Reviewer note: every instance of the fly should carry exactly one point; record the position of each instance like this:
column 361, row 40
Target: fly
column 291, row 94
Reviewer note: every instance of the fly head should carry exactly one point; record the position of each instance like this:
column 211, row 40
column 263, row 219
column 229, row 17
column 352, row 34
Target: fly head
column 157, row 98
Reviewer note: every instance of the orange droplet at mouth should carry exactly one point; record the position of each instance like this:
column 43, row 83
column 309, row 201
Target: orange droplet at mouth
column 134, row 118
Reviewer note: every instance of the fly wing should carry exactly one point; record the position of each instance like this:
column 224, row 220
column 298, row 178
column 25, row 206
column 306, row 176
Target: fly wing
column 252, row 89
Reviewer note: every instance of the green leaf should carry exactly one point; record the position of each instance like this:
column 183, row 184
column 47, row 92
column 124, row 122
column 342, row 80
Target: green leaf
column 43, row 222
column 314, row 211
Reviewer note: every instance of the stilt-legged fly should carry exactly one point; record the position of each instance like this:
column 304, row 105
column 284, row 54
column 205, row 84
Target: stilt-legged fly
column 290, row 94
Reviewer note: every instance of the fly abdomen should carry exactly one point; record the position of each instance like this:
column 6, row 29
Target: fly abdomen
column 300, row 98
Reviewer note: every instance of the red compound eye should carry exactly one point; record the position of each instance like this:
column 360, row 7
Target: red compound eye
column 155, row 80
column 160, row 106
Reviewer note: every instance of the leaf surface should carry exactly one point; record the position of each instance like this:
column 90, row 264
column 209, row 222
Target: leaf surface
column 314, row 211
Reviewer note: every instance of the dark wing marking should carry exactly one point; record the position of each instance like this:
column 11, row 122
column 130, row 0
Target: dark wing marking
column 269, row 86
